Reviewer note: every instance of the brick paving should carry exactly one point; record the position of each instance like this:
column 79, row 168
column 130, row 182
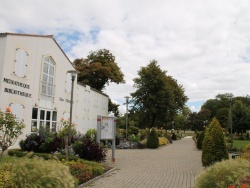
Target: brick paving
column 173, row 166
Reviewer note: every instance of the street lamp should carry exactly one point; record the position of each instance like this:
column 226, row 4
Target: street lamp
column 231, row 121
column 126, row 116
column 173, row 125
column 73, row 76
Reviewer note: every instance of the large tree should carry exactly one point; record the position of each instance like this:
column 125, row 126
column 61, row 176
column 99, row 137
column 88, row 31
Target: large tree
column 98, row 69
column 158, row 96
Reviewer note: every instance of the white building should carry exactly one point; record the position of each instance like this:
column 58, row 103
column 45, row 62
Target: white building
column 34, row 82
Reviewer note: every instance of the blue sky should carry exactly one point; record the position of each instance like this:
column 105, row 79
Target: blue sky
column 204, row 45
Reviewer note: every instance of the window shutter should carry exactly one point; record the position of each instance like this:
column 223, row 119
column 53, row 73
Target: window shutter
column 68, row 82
column 21, row 62
column 17, row 110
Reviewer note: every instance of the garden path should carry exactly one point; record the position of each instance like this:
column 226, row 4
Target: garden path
column 172, row 166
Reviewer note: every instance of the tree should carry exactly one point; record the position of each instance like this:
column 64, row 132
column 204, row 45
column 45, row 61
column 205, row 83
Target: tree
column 241, row 117
column 214, row 147
column 212, row 105
column 158, row 97
column 114, row 108
column 98, row 69
column 10, row 130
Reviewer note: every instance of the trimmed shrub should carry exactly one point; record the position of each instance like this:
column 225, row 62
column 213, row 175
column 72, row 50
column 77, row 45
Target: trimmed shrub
column 214, row 147
column 89, row 150
column 153, row 140
column 233, row 172
column 37, row 172
column 200, row 139
column 173, row 137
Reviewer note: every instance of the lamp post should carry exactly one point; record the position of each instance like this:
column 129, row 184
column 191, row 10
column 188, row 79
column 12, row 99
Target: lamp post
column 126, row 116
column 173, row 125
column 231, row 121
column 73, row 76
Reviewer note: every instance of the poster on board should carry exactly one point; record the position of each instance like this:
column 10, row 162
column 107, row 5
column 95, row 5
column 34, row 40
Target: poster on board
column 107, row 127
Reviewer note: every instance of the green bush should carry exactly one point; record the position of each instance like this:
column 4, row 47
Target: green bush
column 133, row 130
column 80, row 171
column 89, row 150
column 224, row 174
column 153, row 140
column 200, row 139
column 214, row 147
column 173, row 137
column 97, row 168
column 91, row 133
column 37, row 172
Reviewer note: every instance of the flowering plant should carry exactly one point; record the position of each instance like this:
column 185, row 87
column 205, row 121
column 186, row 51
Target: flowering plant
column 10, row 129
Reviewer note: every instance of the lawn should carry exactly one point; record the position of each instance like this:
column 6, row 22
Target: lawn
column 240, row 144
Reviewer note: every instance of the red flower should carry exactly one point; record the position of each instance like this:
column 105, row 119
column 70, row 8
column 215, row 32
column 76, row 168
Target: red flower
column 8, row 109
column 244, row 185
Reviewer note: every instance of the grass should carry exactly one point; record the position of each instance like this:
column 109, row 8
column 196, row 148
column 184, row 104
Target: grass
column 240, row 144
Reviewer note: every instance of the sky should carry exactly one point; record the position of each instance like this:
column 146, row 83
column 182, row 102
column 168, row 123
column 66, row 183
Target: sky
column 203, row 44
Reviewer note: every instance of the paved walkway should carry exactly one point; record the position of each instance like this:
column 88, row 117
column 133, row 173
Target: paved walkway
column 173, row 166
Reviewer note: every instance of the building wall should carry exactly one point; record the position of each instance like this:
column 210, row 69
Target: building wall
column 24, row 93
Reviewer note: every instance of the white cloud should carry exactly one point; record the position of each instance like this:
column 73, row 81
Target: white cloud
column 205, row 45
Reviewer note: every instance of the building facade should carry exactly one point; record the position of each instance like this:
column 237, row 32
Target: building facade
column 34, row 82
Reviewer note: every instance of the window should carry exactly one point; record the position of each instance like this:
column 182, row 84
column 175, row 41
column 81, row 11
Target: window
column 47, row 85
column 21, row 62
column 43, row 118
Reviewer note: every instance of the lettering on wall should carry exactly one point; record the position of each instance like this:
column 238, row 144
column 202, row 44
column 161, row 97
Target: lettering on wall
column 14, row 91
column 66, row 100
column 20, row 84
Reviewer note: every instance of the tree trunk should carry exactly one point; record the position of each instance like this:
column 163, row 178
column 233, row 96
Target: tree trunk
column 66, row 141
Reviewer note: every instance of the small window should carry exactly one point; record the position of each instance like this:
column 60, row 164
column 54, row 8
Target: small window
column 21, row 62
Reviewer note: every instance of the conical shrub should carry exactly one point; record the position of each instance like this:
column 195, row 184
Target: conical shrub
column 213, row 146
column 200, row 139
column 153, row 140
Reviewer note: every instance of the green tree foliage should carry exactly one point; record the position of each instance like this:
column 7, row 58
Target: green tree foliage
column 114, row 108
column 98, row 69
column 241, row 117
column 153, row 140
column 214, row 146
column 212, row 105
column 220, row 109
column 158, row 96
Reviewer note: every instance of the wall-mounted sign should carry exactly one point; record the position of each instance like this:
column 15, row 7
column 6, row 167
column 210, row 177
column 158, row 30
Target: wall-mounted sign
column 13, row 82
column 16, row 92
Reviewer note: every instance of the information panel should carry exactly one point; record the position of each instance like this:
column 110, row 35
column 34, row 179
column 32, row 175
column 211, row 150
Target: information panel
column 107, row 127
